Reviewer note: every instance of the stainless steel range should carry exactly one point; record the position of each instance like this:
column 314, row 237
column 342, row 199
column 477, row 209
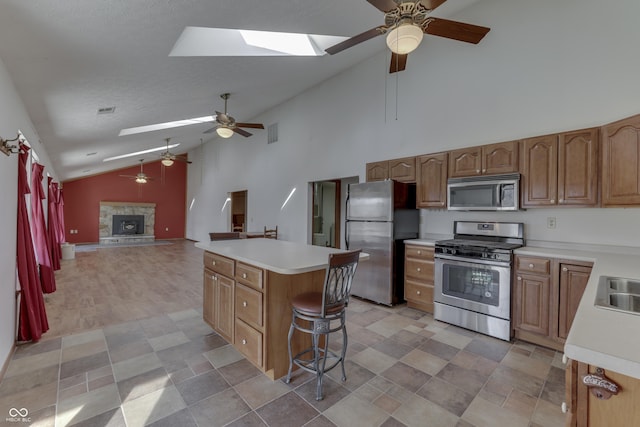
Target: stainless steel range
column 473, row 276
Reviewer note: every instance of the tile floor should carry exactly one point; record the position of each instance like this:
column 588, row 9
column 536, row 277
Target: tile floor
column 403, row 368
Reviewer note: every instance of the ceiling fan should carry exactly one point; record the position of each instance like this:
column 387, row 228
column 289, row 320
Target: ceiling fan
column 227, row 125
column 141, row 177
column 168, row 157
column 405, row 21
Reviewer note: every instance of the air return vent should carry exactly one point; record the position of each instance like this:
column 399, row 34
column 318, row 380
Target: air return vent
column 272, row 133
column 106, row 110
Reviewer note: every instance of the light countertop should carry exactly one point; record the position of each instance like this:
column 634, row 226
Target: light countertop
column 601, row 337
column 428, row 239
column 279, row 256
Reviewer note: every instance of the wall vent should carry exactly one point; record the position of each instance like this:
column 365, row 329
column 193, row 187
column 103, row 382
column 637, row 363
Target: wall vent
column 272, row 133
column 106, row 110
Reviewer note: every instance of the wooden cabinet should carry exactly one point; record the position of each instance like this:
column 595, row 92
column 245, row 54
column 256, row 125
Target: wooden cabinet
column 546, row 296
column 418, row 277
column 249, row 312
column 560, row 169
column 488, row 159
column 431, row 176
column 401, row 170
column 218, row 294
column 586, row 410
column 378, row 171
column 621, row 163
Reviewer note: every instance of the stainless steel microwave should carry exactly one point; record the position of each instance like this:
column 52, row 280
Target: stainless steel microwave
column 484, row 193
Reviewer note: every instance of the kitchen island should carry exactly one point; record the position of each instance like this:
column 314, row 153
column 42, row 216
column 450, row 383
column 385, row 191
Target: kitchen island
column 247, row 291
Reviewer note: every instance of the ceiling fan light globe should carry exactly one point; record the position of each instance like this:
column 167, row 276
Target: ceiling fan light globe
column 141, row 180
column 404, row 38
column 224, row 132
column 167, row 162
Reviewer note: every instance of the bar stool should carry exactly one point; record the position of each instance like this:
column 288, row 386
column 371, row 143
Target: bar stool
column 314, row 312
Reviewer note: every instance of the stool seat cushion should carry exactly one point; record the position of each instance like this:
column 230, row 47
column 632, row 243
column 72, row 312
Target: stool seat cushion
column 311, row 303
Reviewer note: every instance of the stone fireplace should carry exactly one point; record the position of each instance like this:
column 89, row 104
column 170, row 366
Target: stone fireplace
column 126, row 222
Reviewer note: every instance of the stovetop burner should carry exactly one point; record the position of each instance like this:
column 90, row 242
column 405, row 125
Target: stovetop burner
column 478, row 244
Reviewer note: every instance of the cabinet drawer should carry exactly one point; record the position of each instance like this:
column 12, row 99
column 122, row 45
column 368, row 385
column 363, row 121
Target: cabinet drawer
column 249, row 342
column 249, row 306
column 419, row 270
column 421, row 252
column 250, row 275
column 533, row 265
column 219, row 264
column 417, row 292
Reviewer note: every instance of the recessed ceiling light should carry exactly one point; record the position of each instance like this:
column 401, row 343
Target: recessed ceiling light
column 150, row 150
column 92, row 154
column 106, row 110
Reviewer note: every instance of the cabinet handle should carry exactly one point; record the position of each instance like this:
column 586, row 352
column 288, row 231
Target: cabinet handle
column 565, row 359
column 417, row 292
column 599, row 385
column 213, row 263
column 484, row 170
column 244, row 275
column 244, row 342
column 418, row 269
column 561, row 200
column 442, row 203
column 553, row 201
column 244, row 303
column 477, row 170
column 530, row 265
column 519, row 278
column 214, row 277
column 565, row 269
column 564, row 408
column 419, row 252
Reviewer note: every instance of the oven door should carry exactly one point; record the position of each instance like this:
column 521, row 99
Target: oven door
column 476, row 285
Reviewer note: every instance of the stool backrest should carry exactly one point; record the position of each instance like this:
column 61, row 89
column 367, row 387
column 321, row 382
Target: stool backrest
column 338, row 279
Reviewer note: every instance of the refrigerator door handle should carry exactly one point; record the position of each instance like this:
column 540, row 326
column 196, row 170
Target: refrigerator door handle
column 346, row 234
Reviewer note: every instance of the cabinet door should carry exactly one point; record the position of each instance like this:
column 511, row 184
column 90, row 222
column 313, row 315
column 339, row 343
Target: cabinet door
column 377, row 171
column 531, row 310
column 465, row 162
column 208, row 298
column 500, row 158
column 573, row 281
column 540, row 171
column 432, row 181
column 403, row 170
column 224, row 307
column 578, row 168
column 621, row 163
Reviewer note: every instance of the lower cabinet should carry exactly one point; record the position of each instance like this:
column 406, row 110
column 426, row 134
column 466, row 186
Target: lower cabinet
column 418, row 277
column 546, row 295
column 597, row 409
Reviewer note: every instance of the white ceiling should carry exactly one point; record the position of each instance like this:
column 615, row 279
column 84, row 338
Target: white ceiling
column 69, row 58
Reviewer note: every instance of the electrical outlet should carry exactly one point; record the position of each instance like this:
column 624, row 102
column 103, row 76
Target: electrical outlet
column 166, row 229
column 551, row 222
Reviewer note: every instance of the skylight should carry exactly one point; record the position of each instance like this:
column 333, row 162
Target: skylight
column 166, row 125
column 137, row 153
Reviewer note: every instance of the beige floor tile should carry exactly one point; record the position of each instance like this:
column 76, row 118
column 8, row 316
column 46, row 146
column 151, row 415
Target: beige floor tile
column 353, row 411
column 87, row 405
column 33, row 399
column 482, row 413
column 136, row 366
column 83, row 350
column 547, row 414
column 426, row 362
column 170, row 340
column 82, row 338
column 184, row 314
column 390, row 325
column 374, row 360
column 368, row 392
column 415, row 411
column 259, row 390
column 223, row 356
column 152, row 407
column 453, row 339
column 25, row 364
column 520, row 403
column 387, row 403
column 534, row 367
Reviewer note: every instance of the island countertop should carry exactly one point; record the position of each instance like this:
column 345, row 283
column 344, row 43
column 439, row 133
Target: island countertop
column 279, row 256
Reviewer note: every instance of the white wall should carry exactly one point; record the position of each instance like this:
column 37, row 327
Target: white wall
column 13, row 117
column 545, row 66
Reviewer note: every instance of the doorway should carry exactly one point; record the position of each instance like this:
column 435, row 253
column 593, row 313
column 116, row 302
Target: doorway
column 238, row 210
column 325, row 222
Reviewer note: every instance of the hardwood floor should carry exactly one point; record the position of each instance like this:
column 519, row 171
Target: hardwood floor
column 115, row 285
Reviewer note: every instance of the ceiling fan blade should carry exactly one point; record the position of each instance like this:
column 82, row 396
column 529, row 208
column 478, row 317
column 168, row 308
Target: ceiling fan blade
column 251, row 125
column 355, row 40
column 241, row 132
column 432, row 4
column 182, row 159
column 213, row 129
column 384, row 5
column 129, row 176
column 398, row 63
column 456, row 30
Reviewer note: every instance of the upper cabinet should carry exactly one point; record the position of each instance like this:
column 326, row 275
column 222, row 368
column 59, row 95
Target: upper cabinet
column 621, row 162
column 402, row 170
column 431, row 188
column 484, row 160
column 560, row 169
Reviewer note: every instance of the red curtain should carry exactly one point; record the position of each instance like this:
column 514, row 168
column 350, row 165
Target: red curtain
column 33, row 316
column 39, row 230
column 60, row 202
column 52, row 224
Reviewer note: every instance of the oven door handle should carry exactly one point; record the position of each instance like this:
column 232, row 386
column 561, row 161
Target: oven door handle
column 472, row 261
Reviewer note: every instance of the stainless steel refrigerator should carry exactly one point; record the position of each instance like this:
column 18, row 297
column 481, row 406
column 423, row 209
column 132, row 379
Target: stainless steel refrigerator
column 380, row 215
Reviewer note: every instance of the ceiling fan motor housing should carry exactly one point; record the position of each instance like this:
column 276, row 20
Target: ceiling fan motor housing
column 407, row 12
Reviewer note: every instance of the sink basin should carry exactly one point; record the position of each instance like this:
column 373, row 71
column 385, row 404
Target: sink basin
column 617, row 293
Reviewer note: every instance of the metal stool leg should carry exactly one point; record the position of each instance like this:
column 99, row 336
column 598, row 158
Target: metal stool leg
column 344, row 350
column 291, row 328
